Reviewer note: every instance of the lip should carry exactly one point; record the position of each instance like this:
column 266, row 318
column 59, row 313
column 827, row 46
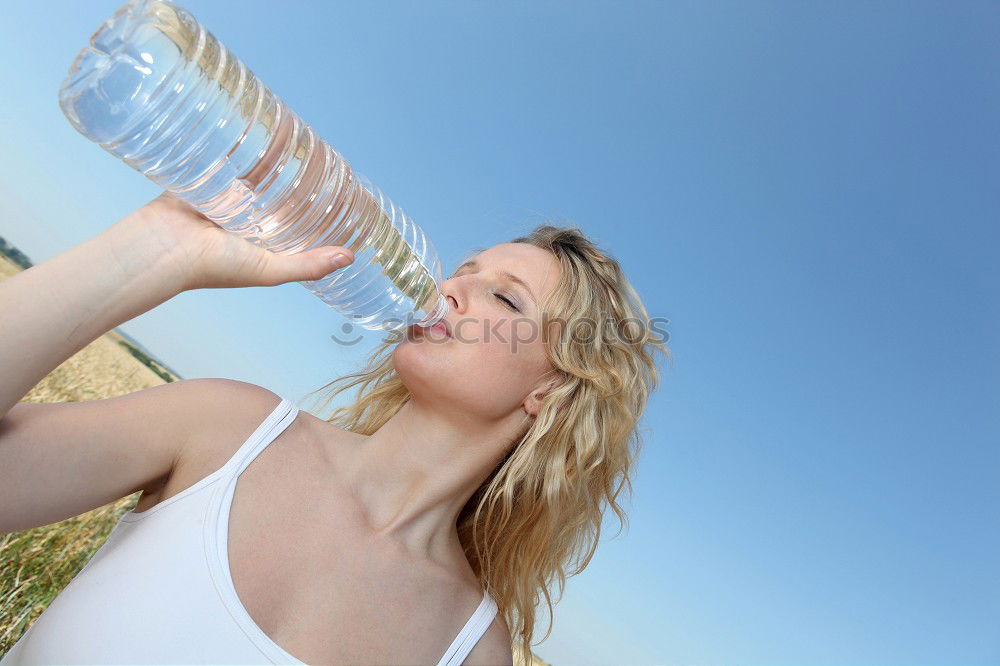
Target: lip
column 442, row 327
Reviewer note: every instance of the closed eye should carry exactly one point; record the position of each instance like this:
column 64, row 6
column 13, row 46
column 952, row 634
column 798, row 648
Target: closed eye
column 509, row 303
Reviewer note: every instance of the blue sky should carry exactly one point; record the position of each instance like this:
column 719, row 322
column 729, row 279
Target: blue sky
column 807, row 191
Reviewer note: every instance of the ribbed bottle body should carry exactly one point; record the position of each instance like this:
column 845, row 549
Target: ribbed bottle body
column 157, row 90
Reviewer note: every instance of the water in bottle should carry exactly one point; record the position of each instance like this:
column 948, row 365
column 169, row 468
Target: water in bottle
column 160, row 92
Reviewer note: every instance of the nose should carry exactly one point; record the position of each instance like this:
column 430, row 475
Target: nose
column 453, row 292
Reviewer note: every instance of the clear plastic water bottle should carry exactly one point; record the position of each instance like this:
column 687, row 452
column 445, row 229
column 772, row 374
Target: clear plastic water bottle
column 157, row 90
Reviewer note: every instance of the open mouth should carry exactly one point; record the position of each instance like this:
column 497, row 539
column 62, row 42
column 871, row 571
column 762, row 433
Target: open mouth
column 438, row 330
column 441, row 328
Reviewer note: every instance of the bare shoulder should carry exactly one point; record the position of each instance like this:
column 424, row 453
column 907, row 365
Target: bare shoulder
column 231, row 410
column 494, row 648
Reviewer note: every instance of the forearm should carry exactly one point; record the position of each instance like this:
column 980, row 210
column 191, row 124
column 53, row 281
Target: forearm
column 53, row 310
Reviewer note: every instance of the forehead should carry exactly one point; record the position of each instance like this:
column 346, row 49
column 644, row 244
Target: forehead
column 538, row 267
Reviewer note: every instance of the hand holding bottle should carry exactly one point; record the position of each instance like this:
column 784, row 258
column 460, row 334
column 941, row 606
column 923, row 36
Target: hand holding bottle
column 207, row 256
column 157, row 90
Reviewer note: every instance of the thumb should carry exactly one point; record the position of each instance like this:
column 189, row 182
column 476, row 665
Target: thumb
column 313, row 264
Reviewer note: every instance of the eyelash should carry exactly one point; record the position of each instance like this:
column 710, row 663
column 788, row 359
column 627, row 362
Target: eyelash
column 509, row 303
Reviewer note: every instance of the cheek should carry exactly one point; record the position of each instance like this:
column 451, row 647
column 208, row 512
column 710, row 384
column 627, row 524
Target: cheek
column 506, row 369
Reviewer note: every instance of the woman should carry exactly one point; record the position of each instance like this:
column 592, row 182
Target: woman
column 470, row 470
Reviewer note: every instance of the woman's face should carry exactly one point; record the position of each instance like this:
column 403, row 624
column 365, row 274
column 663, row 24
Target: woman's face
column 494, row 360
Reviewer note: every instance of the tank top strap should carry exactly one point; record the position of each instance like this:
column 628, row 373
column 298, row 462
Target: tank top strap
column 216, row 529
column 470, row 634
column 275, row 423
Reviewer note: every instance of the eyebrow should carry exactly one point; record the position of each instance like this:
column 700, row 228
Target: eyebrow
column 472, row 263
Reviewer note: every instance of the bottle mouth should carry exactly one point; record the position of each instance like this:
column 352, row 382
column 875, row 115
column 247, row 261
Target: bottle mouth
column 437, row 313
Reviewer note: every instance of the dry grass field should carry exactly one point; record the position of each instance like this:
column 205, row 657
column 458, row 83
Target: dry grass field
column 36, row 564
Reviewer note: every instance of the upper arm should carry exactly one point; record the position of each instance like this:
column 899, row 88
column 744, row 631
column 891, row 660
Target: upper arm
column 58, row 460
column 494, row 648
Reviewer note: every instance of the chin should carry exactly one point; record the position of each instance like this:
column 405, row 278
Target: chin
column 427, row 378
column 415, row 368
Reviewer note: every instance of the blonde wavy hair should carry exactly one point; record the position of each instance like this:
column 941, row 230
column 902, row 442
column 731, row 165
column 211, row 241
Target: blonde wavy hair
column 537, row 517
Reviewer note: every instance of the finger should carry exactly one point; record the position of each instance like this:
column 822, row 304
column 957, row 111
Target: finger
column 305, row 266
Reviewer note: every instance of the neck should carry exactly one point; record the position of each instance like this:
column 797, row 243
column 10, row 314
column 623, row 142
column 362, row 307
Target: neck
column 414, row 475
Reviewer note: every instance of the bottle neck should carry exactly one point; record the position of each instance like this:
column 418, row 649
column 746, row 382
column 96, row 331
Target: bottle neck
column 436, row 313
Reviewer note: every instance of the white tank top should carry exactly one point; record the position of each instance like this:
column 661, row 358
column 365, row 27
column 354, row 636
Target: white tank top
column 159, row 590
